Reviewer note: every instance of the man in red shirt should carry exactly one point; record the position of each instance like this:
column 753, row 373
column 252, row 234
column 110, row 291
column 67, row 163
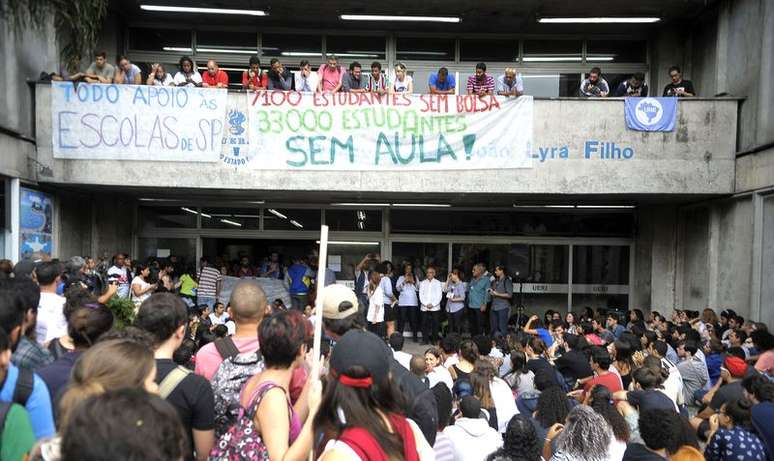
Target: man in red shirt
column 600, row 364
column 214, row 77
column 253, row 78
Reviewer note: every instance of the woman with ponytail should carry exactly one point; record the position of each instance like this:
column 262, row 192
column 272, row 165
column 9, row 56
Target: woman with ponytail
column 361, row 415
column 600, row 399
column 731, row 436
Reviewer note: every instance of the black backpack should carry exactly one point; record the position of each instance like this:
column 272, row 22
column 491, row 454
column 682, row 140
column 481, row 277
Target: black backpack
column 21, row 393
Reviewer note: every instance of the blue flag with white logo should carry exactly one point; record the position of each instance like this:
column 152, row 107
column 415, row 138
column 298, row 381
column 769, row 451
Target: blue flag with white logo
column 650, row 114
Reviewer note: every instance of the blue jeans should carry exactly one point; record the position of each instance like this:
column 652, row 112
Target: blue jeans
column 498, row 321
column 208, row 300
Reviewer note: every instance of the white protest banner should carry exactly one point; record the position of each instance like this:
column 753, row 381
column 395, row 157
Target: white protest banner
column 137, row 122
column 273, row 288
column 371, row 132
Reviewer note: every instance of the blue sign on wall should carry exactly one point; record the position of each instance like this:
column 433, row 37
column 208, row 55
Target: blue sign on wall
column 36, row 218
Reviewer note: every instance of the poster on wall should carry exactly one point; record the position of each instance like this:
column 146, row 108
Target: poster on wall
column 36, row 217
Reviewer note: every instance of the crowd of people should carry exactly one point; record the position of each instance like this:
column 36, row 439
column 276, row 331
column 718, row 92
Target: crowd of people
column 331, row 77
column 179, row 384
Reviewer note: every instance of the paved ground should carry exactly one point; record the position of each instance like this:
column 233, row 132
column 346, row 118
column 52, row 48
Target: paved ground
column 414, row 348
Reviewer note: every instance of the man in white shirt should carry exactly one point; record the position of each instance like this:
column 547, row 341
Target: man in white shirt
column 51, row 320
column 430, row 294
column 118, row 275
column 396, row 344
column 306, row 80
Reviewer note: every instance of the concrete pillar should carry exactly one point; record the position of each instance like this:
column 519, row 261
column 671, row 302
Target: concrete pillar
column 721, row 47
column 12, row 195
column 765, row 120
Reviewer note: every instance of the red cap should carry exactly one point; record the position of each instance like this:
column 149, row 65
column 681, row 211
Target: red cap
column 736, row 366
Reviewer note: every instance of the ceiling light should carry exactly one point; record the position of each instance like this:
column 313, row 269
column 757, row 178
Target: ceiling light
column 600, row 20
column 177, row 48
column 361, row 216
column 375, row 17
column 223, row 50
column 205, row 215
column 300, row 54
column 296, row 223
column 344, row 242
column 428, row 205
column 359, row 204
column 259, row 202
column 599, row 58
column 158, row 200
column 249, row 216
column 188, row 9
column 189, row 210
column 606, row 206
column 552, row 59
column 226, row 221
column 361, row 225
column 277, row 213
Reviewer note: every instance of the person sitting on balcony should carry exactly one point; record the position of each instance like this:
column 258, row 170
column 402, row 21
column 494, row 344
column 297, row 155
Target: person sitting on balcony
column 188, row 75
column 481, row 83
column 403, row 83
column 353, row 81
column 377, row 83
column 306, row 80
column 214, row 77
column 441, row 82
column 127, row 72
column 594, row 86
column 678, row 87
column 634, row 87
column 253, row 78
column 159, row 76
column 280, row 78
column 330, row 75
column 510, row 83
column 99, row 71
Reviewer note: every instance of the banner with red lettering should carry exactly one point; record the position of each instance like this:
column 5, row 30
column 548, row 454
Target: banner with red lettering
column 370, row 132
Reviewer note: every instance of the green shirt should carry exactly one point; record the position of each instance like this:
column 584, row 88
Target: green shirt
column 479, row 292
column 187, row 285
column 18, row 438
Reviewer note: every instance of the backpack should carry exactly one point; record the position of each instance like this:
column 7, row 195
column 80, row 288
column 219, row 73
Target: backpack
column 228, row 381
column 240, row 441
column 24, row 383
column 5, row 408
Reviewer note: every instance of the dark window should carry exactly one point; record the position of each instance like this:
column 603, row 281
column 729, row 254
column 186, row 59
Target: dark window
column 292, row 47
column 425, row 48
column 531, row 263
column 212, row 43
column 361, row 48
column 602, row 51
column 569, row 85
column 422, row 256
column 489, row 50
column 354, row 220
column 168, row 216
column 296, row 219
column 173, row 40
column 230, row 218
column 552, row 50
column 604, row 265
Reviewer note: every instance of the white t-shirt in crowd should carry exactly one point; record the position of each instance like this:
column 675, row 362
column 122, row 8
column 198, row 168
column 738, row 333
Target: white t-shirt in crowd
column 219, row 320
column 440, row 374
column 196, row 77
column 143, row 285
column 51, row 322
column 402, row 87
column 404, row 358
column 168, row 80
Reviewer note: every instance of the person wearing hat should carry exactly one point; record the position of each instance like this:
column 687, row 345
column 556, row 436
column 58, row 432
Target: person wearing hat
column 728, row 388
column 471, row 435
column 359, row 413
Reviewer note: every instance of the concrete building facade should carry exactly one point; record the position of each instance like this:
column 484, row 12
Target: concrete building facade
column 686, row 221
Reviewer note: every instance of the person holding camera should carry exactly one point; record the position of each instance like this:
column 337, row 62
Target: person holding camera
column 594, row 86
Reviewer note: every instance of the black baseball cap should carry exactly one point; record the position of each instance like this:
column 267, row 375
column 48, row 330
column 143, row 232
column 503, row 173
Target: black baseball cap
column 24, row 268
column 363, row 349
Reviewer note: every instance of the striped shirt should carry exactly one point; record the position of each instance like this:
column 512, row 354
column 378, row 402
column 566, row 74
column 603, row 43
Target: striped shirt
column 208, row 282
column 475, row 85
column 444, row 449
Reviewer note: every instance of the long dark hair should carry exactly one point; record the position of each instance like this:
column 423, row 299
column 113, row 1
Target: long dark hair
column 602, row 403
column 520, row 443
column 552, row 407
column 362, row 408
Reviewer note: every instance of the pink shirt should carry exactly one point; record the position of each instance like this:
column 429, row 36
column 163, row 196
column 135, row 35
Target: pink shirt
column 330, row 78
column 208, row 360
column 765, row 362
